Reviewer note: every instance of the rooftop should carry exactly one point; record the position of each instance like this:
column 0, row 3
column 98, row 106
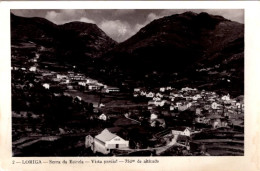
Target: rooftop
column 105, row 135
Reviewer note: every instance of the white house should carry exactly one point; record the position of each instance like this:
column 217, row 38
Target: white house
column 136, row 95
column 153, row 116
column 78, row 98
column 215, row 105
column 172, row 108
column 238, row 105
column 37, row 55
column 196, row 97
column 159, row 103
column 90, row 81
column 150, row 94
column 105, row 141
column 137, row 90
column 185, row 131
column 46, row 86
column 102, row 105
column 32, row 69
column 15, row 68
column 169, row 88
column 67, row 81
column 82, row 83
column 188, row 89
column 102, row 117
column 198, row 111
column 60, row 76
column 112, row 89
column 217, row 123
column 150, row 107
column 159, row 95
column 156, row 98
column 93, row 87
column 226, row 97
column 189, row 104
column 78, row 77
column 162, row 89
column 143, row 93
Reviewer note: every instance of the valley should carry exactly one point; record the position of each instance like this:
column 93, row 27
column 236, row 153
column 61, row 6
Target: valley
column 175, row 88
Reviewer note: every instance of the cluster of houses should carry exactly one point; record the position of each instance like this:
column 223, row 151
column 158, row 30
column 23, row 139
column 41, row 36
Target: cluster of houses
column 208, row 106
column 86, row 83
column 69, row 80
column 33, row 64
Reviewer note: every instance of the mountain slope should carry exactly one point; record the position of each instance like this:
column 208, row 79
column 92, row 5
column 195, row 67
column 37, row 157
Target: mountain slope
column 175, row 42
column 189, row 49
column 32, row 29
column 74, row 42
column 93, row 40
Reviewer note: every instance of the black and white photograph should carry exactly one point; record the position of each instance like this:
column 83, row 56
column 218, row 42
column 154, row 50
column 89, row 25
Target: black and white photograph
column 127, row 82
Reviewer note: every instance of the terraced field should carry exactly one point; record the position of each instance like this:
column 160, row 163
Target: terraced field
column 222, row 143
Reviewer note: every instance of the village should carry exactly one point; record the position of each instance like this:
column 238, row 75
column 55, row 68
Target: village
column 209, row 110
column 110, row 121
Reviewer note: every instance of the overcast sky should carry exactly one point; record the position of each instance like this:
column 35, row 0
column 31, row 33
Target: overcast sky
column 120, row 24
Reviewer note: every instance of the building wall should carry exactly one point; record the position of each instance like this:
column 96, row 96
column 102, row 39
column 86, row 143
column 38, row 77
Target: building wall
column 185, row 132
column 99, row 146
column 117, row 142
column 112, row 144
column 88, row 141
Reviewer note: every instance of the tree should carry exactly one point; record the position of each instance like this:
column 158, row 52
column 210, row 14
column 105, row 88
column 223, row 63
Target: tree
column 90, row 108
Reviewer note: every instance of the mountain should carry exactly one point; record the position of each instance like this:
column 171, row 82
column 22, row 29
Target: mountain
column 173, row 42
column 74, row 42
column 185, row 45
column 189, row 49
column 95, row 41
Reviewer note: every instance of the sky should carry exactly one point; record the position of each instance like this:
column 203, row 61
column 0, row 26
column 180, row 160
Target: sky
column 120, row 24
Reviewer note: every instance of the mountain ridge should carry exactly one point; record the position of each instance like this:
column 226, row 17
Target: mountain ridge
column 182, row 49
column 67, row 40
column 179, row 36
column 182, row 44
